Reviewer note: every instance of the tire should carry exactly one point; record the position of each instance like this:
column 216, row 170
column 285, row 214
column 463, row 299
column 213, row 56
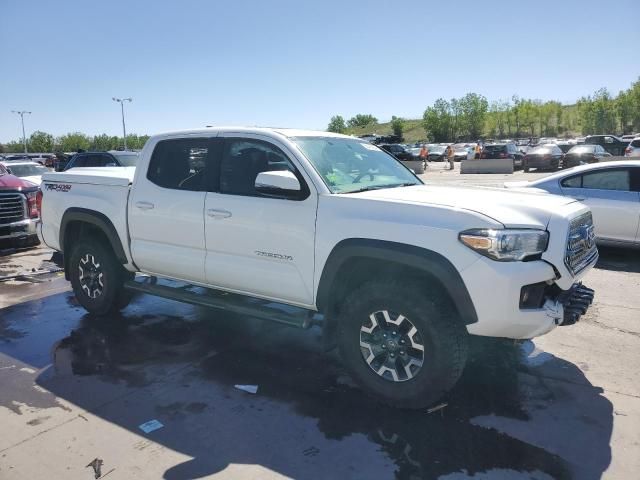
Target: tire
column 442, row 335
column 100, row 291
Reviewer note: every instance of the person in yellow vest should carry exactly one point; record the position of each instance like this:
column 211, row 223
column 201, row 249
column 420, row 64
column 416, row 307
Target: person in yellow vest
column 478, row 151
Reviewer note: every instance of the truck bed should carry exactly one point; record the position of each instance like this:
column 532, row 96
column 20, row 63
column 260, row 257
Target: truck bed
column 113, row 176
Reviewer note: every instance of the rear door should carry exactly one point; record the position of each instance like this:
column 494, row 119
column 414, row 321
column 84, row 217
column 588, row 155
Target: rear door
column 260, row 244
column 166, row 210
column 613, row 199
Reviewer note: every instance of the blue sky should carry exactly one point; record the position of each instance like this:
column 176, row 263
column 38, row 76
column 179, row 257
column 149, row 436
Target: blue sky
column 295, row 63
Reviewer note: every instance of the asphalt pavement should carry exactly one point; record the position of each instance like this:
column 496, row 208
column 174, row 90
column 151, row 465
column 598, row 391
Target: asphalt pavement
column 75, row 391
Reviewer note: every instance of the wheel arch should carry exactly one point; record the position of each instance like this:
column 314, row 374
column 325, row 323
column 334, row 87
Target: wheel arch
column 366, row 257
column 78, row 221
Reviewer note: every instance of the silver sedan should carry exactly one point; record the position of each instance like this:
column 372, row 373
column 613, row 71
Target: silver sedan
column 610, row 189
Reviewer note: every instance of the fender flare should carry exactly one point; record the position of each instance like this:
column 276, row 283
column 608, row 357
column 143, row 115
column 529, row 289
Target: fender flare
column 423, row 259
column 98, row 220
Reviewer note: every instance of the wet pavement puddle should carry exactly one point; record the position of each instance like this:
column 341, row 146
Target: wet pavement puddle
column 202, row 356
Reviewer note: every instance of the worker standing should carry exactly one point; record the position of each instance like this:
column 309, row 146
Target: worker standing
column 478, row 151
column 451, row 155
column 424, row 154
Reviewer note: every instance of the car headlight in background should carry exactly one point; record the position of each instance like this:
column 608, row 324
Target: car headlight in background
column 506, row 245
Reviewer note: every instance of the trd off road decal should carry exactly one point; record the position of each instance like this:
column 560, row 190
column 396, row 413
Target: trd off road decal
column 58, row 187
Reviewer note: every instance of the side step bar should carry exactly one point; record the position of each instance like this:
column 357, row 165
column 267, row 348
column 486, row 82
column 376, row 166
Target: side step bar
column 228, row 302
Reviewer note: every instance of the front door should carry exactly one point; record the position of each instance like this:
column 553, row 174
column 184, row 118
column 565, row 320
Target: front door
column 614, row 204
column 260, row 244
column 166, row 210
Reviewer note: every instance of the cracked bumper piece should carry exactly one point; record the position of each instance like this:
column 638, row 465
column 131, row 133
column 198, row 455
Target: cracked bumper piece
column 575, row 301
column 568, row 306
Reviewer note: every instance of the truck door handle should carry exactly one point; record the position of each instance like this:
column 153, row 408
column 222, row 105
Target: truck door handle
column 145, row 205
column 213, row 213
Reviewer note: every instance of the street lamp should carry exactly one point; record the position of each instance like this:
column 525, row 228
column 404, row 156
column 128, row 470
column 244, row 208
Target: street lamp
column 124, row 129
column 24, row 138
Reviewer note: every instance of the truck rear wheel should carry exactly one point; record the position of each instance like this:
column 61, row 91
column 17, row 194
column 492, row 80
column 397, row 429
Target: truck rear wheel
column 97, row 277
column 404, row 347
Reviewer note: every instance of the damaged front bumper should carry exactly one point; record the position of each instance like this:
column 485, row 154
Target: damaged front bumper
column 567, row 306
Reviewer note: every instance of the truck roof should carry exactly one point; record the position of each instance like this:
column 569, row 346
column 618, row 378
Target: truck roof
column 269, row 131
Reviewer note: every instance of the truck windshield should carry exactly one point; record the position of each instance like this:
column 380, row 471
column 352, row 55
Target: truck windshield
column 350, row 165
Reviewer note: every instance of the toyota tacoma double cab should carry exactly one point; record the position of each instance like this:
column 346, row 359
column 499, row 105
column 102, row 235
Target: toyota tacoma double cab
column 306, row 228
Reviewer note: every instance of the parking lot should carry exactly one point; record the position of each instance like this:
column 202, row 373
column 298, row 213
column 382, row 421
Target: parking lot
column 76, row 389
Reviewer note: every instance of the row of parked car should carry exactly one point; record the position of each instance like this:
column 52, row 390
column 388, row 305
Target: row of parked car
column 527, row 154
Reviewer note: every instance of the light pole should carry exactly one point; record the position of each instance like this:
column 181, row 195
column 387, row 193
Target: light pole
column 124, row 128
column 24, row 137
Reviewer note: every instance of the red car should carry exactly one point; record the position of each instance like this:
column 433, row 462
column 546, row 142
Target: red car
column 20, row 203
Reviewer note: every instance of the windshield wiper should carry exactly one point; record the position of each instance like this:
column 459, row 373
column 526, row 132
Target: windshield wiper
column 380, row 187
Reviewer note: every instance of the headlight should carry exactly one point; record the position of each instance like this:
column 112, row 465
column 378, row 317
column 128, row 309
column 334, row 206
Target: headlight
column 506, row 245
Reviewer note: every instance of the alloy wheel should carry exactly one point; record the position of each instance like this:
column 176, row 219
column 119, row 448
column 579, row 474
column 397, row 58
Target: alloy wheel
column 91, row 276
column 392, row 346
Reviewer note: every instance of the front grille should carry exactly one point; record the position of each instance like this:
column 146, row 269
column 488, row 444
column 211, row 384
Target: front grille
column 12, row 208
column 581, row 244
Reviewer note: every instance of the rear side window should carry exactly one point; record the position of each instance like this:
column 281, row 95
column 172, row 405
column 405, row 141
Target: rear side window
column 572, row 182
column 607, row 180
column 635, row 143
column 492, row 149
column 180, row 164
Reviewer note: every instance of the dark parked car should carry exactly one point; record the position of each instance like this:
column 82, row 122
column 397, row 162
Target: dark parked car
column 436, row 153
column 582, row 154
column 543, row 157
column 565, row 146
column 397, row 150
column 503, row 150
column 611, row 143
column 406, row 157
column 102, row 159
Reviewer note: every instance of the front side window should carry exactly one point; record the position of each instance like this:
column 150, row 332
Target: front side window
column 243, row 159
column 349, row 165
column 180, row 164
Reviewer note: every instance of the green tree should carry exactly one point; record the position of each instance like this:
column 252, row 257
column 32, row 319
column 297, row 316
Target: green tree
column 14, row 146
column 72, row 142
column 40, row 142
column 103, row 142
column 337, row 124
column 362, row 120
column 437, row 120
column 397, row 125
column 473, row 111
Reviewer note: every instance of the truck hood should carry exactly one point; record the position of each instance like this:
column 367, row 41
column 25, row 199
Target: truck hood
column 11, row 182
column 115, row 176
column 514, row 209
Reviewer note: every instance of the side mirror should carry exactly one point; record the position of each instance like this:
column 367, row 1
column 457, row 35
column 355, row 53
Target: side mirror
column 278, row 182
column 9, row 171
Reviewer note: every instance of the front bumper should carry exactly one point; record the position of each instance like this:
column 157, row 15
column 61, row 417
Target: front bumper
column 19, row 230
column 496, row 289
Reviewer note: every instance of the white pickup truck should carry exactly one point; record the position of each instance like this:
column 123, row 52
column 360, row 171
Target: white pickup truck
column 398, row 273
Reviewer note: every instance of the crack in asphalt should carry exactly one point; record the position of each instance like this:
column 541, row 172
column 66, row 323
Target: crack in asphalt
column 609, row 327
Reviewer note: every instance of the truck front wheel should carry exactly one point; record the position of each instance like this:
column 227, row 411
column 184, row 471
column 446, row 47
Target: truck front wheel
column 97, row 277
column 405, row 348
